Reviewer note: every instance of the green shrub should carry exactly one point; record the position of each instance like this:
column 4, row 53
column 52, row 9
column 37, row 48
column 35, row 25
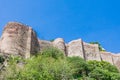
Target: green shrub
column 49, row 66
column 53, row 52
column 101, row 70
column 78, row 65
column 103, row 65
column 115, row 76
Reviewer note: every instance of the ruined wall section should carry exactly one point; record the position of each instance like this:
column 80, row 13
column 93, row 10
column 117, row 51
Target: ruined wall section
column 45, row 44
column 16, row 39
column 91, row 51
column 60, row 44
column 106, row 56
column 12, row 38
column 116, row 60
column 75, row 48
column 35, row 46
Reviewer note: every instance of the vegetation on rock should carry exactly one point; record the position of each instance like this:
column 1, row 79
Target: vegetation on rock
column 51, row 64
column 99, row 45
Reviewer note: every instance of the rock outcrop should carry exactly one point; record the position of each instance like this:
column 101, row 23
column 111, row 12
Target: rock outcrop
column 18, row 39
column 21, row 40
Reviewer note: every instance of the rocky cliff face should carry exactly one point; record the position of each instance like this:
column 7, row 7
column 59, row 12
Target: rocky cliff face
column 18, row 39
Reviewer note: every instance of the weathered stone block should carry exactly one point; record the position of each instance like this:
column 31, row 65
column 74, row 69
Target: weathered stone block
column 45, row 44
column 60, row 44
column 75, row 48
column 18, row 39
column 91, row 52
column 106, row 56
column 116, row 60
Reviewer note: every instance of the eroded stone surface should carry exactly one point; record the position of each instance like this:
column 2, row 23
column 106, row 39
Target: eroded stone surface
column 45, row 44
column 116, row 60
column 106, row 56
column 91, row 51
column 75, row 48
column 60, row 44
column 18, row 39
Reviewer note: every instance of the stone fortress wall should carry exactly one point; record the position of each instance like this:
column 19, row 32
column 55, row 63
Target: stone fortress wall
column 90, row 52
column 19, row 39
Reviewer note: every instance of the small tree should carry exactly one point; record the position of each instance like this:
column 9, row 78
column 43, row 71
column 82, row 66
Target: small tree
column 101, row 70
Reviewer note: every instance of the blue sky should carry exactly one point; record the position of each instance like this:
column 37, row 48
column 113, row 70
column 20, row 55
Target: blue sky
column 91, row 20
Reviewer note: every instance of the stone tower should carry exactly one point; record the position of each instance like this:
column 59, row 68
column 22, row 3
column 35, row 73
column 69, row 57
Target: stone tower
column 18, row 39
